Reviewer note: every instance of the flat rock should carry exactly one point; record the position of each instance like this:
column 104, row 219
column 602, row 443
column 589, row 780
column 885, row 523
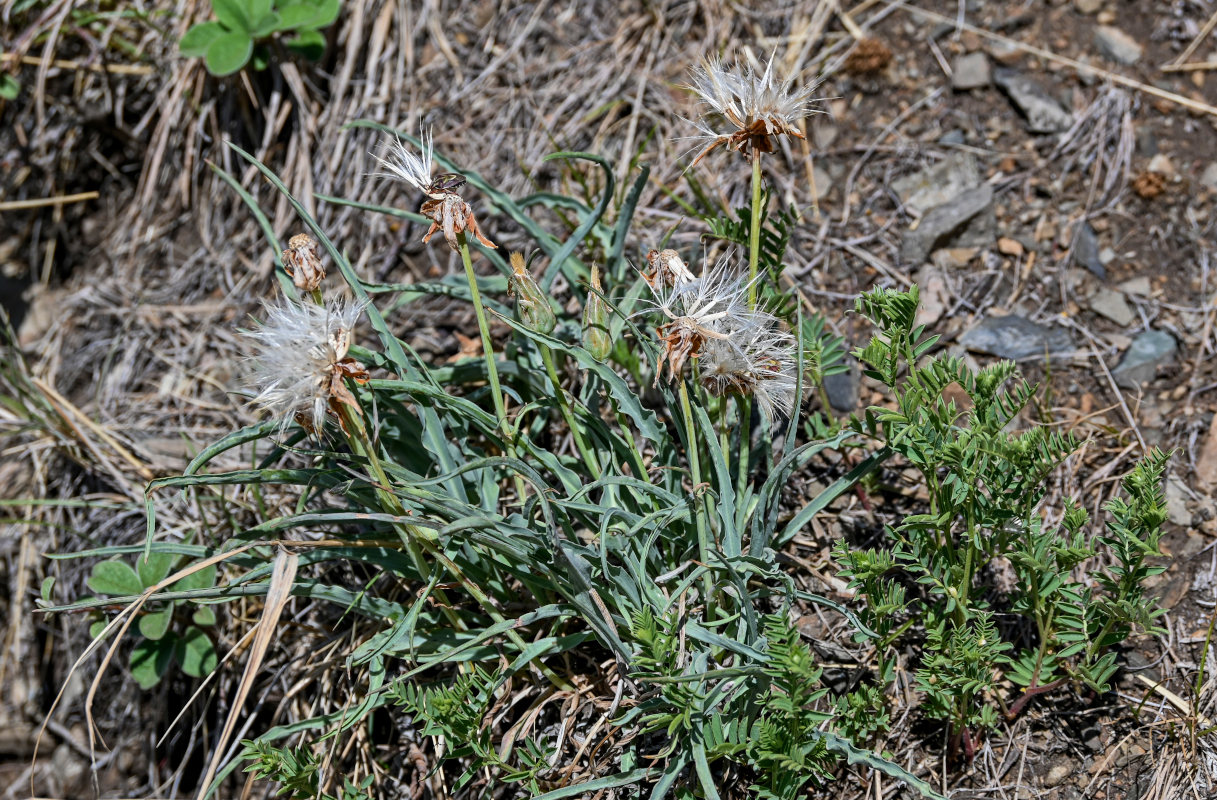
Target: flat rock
column 1206, row 464
column 971, row 71
column 1086, row 251
column 1111, row 304
column 1139, row 286
column 823, row 183
column 966, row 221
column 1208, row 178
column 1117, row 45
column 1147, row 352
column 1178, row 503
column 1015, row 338
column 1043, row 113
column 842, row 389
column 1088, row 6
column 938, row 184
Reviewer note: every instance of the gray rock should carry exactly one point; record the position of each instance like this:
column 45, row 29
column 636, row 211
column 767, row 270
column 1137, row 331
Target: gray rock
column 1111, row 304
column 1088, row 6
column 1148, row 351
column 1208, row 179
column 1117, row 45
column 1178, row 503
column 1043, row 113
column 966, row 221
column 823, row 183
column 1138, row 286
column 1016, row 338
column 952, row 137
column 842, row 389
column 971, row 71
column 938, row 184
column 1086, row 251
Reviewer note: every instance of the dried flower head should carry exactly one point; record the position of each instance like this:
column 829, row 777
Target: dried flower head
column 738, row 350
column 759, row 360
column 447, row 210
column 300, row 360
column 667, row 267
column 302, row 260
column 754, row 107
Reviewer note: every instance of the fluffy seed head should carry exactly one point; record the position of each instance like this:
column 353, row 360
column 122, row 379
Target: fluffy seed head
column 402, row 163
column 758, row 360
column 745, row 109
column 299, row 358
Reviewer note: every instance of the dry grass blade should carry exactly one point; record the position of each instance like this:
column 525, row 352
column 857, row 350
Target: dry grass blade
column 283, row 575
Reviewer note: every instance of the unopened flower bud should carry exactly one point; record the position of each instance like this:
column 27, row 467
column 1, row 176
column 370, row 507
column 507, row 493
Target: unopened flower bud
column 595, row 321
column 302, row 260
column 531, row 303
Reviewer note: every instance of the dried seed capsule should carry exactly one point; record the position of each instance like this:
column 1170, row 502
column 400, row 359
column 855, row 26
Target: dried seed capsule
column 531, row 303
column 302, row 261
column 595, row 321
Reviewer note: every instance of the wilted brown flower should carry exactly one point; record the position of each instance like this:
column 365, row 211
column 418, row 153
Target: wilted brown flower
column 447, row 210
column 755, row 107
column 302, row 261
column 668, row 268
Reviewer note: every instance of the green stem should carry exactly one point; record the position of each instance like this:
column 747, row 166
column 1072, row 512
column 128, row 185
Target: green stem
column 492, row 370
column 703, row 539
column 754, row 234
column 418, row 539
column 589, row 458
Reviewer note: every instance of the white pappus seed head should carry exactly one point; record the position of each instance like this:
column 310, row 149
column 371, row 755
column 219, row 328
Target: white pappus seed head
column 400, row 162
column 294, row 355
column 743, row 108
column 758, row 359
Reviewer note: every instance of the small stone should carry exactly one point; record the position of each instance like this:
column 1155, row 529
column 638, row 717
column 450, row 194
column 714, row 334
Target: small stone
column 823, row 183
column 935, row 297
column 1178, row 503
column 954, row 257
column 1117, row 45
column 1111, row 304
column 1138, row 286
column 1087, row 6
column 1086, row 251
column 966, row 221
column 1009, row 247
column 824, row 134
column 1057, row 775
column 1160, row 163
column 939, row 184
column 1016, row 338
column 1208, row 179
column 971, row 72
column 1106, row 256
column 953, row 137
column 1140, row 363
column 842, row 389
column 1106, row 17
column 1043, row 113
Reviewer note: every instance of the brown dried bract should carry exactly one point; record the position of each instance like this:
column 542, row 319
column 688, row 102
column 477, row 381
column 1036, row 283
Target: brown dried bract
column 451, row 214
column 1149, row 185
column 681, row 341
column 667, row 269
column 338, row 391
column 302, row 261
column 869, row 57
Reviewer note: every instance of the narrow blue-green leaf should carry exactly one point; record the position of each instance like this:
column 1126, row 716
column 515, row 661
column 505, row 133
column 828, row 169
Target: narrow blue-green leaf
column 559, row 260
column 625, row 218
column 856, row 755
column 591, row 787
column 732, row 534
column 704, row 776
column 839, row 487
column 627, row 399
column 268, row 230
column 713, row 639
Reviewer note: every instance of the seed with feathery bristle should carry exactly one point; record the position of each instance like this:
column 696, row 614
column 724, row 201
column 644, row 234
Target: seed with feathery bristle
column 402, row 163
column 299, row 360
column 754, row 106
column 759, row 360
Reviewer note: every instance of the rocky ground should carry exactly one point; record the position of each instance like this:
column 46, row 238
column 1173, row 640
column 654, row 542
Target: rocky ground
column 1046, row 172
